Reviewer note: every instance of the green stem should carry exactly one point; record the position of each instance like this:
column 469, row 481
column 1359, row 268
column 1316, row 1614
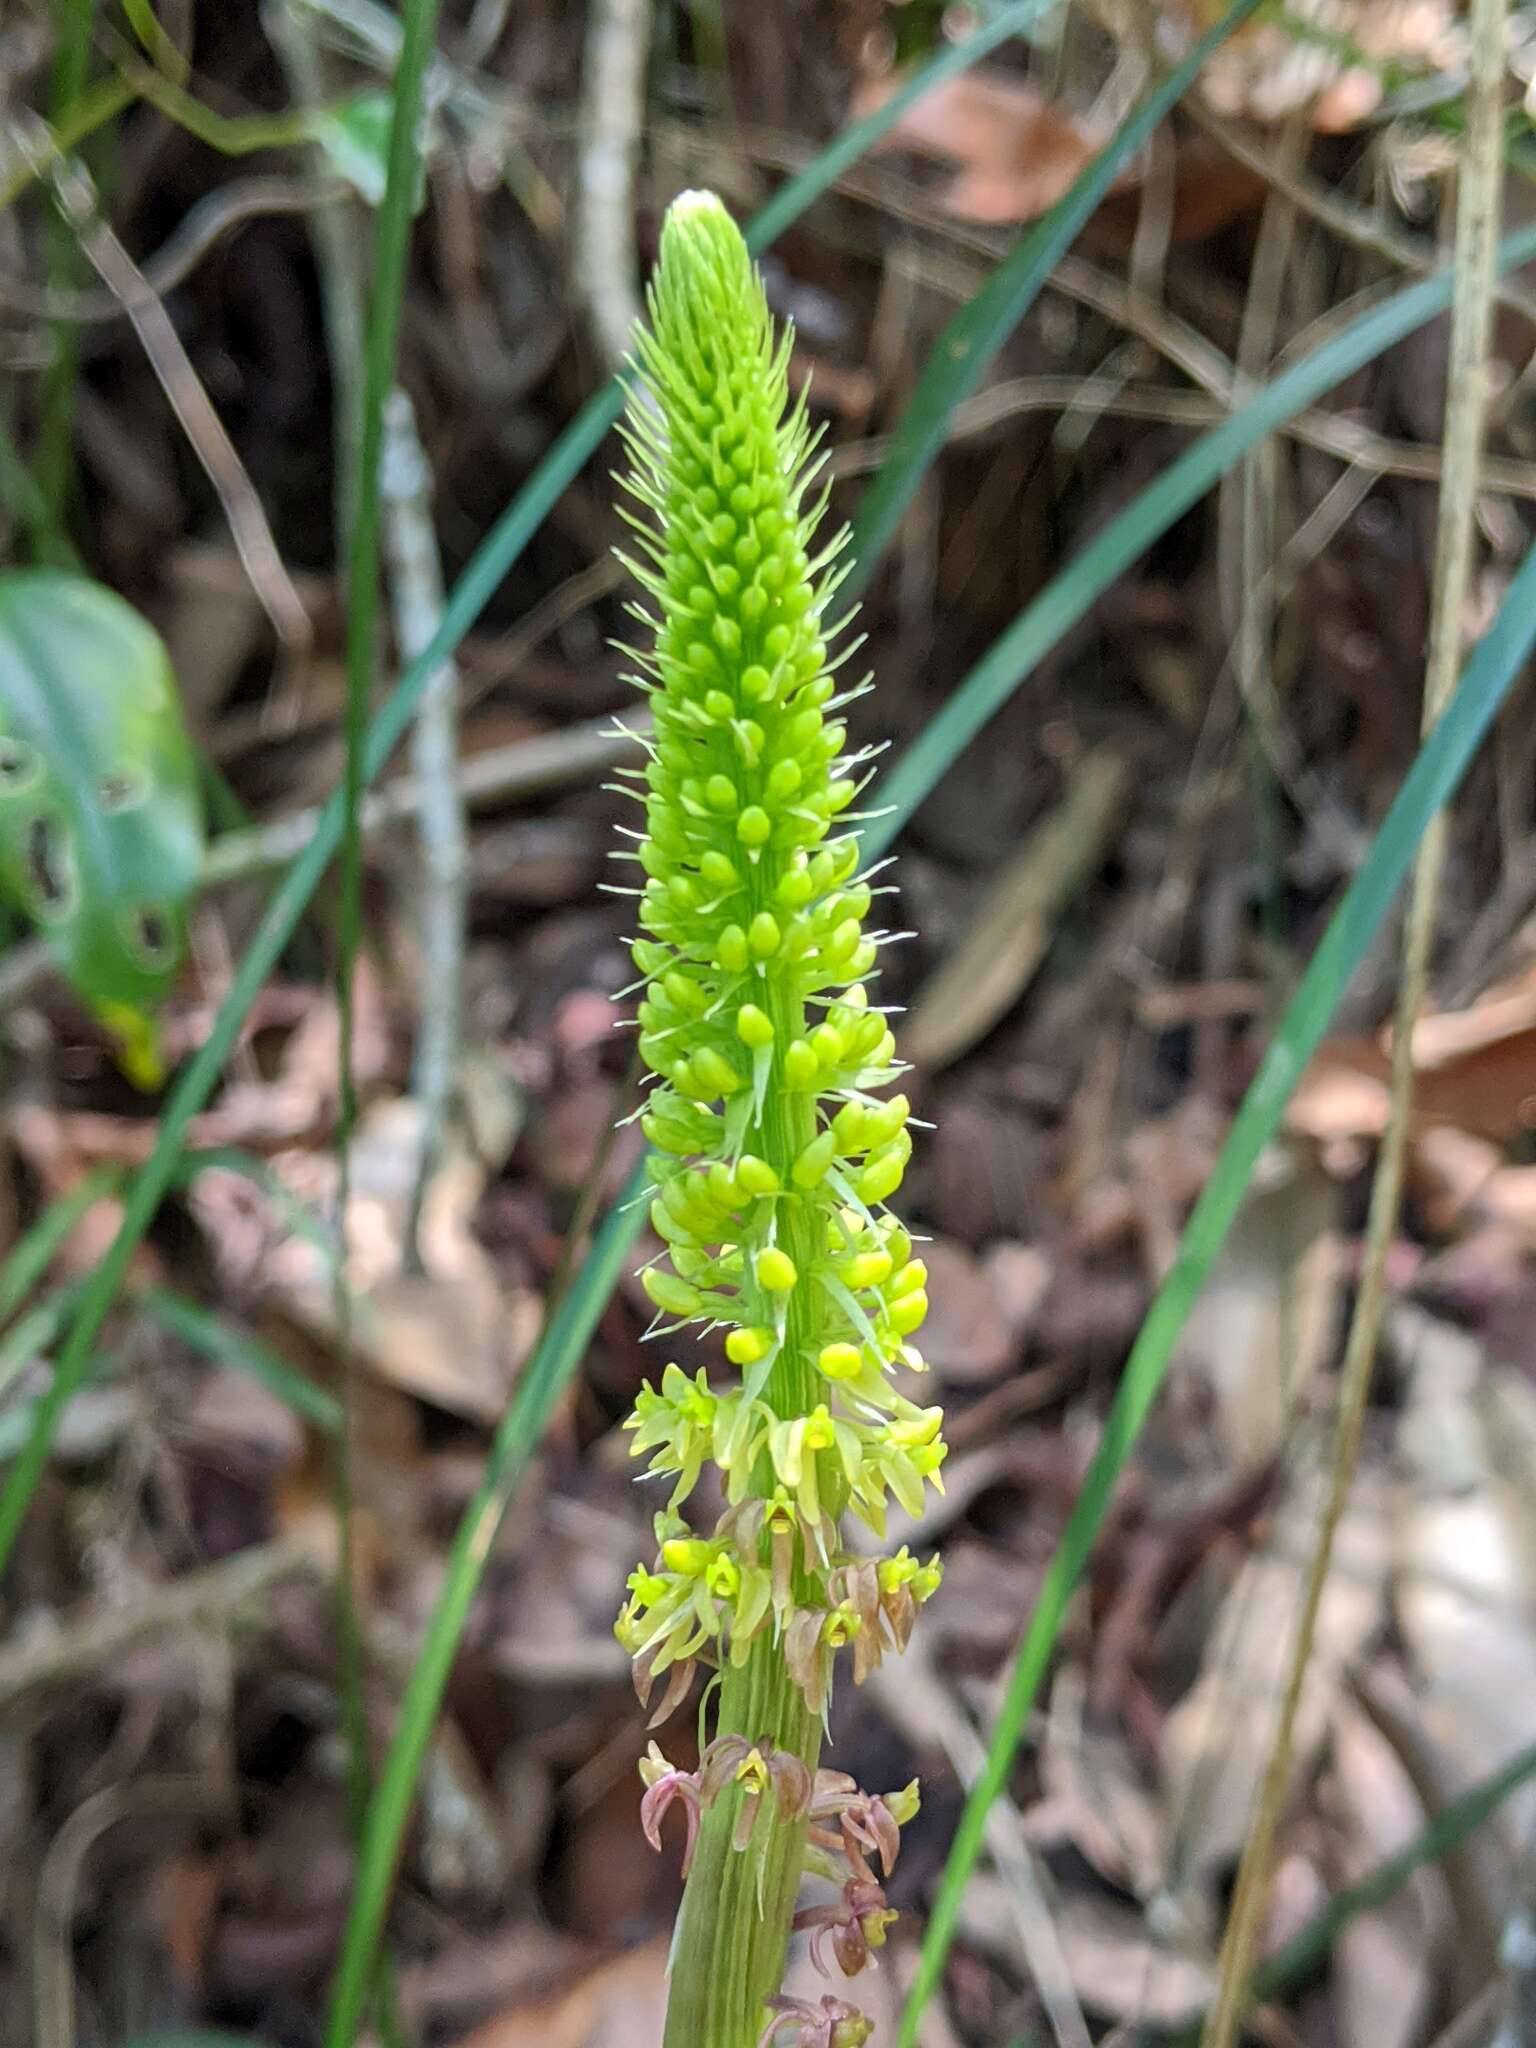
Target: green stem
column 229, row 134
column 54, row 461
column 734, row 1926
column 733, row 1930
column 391, row 253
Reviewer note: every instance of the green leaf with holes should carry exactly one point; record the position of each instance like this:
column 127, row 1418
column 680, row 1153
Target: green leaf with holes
column 101, row 823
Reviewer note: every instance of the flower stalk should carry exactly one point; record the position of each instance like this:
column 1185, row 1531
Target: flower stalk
column 777, row 1146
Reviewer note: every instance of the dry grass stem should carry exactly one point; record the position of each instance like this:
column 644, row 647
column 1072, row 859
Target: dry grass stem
column 1466, row 407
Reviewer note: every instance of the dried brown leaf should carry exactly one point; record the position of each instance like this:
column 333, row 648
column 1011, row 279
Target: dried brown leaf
column 1016, row 918
column 1266, row 1318
column 1015, row 152
column 1217, row 1739
column 620, row 2004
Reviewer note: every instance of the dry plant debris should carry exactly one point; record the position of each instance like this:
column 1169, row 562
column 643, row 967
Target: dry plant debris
column 1108, row 895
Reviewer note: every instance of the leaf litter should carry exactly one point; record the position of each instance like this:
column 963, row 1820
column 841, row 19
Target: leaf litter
column 1094, row 1002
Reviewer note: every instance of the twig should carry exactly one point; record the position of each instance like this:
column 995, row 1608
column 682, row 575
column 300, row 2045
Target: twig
column 499, row 661
column 338, row 254
column 605, row 260
column 203, row 227
column 193, row 408
column 1472, row 1884
column 524, row 768
column 1332, row 433
column 1246, row 546
column 416, row 592
column 53, row 1971
column 216, row 1596
column 1443, row 1837
column 1466, row 402
column 1362, row 226
column 483, row 32
column 918, row 1705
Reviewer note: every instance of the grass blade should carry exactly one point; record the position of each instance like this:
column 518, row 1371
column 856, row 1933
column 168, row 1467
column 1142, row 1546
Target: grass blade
column 844, row 150
column 476, row 586
column 976, row 333
column 54, row 463
column 1066, row 600
column 30, row 1334
column 979, row 696
column 29, row 1259
column 1441, row 1836
column 1441, row 762
column 545, row 1377
column 391, row 255
column 1445, row 1833
column 391, row 250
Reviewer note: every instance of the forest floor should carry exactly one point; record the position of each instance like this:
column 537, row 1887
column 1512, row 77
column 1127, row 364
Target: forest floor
column 1111, row 896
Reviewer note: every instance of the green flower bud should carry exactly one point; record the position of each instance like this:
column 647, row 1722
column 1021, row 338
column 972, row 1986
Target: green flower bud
column 731, row 949
column 775, row 1270
column 713, row 1072
column 774, row 1152
column 672, row 1296
column 755, row 1176
column 800, row 1068
column 749, row 1345
column 840, row 1361
column 810, row 1169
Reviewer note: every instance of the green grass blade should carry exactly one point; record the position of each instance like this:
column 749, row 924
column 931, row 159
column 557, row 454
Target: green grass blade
column 391, row 252
column 547, row 1374
column 34, row 1252
column 1068, row 598
column 973, row 337
column 24, row 503
column 1439, row 1838
column 31, row 1334
column 202, row 1331
column 54, row 465
column 844, row 150
column 983, row 691
column 1442, row 760
column 391, row 257
column 474, row 590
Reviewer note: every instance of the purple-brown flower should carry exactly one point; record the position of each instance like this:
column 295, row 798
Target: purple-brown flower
column 664, row 1784
column 759, row 1768
column 857, row 1924
column 866, row 1825
column 834, row 2023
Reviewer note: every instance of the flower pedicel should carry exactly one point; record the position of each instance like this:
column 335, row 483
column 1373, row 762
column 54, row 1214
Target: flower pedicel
column 777, row 1147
